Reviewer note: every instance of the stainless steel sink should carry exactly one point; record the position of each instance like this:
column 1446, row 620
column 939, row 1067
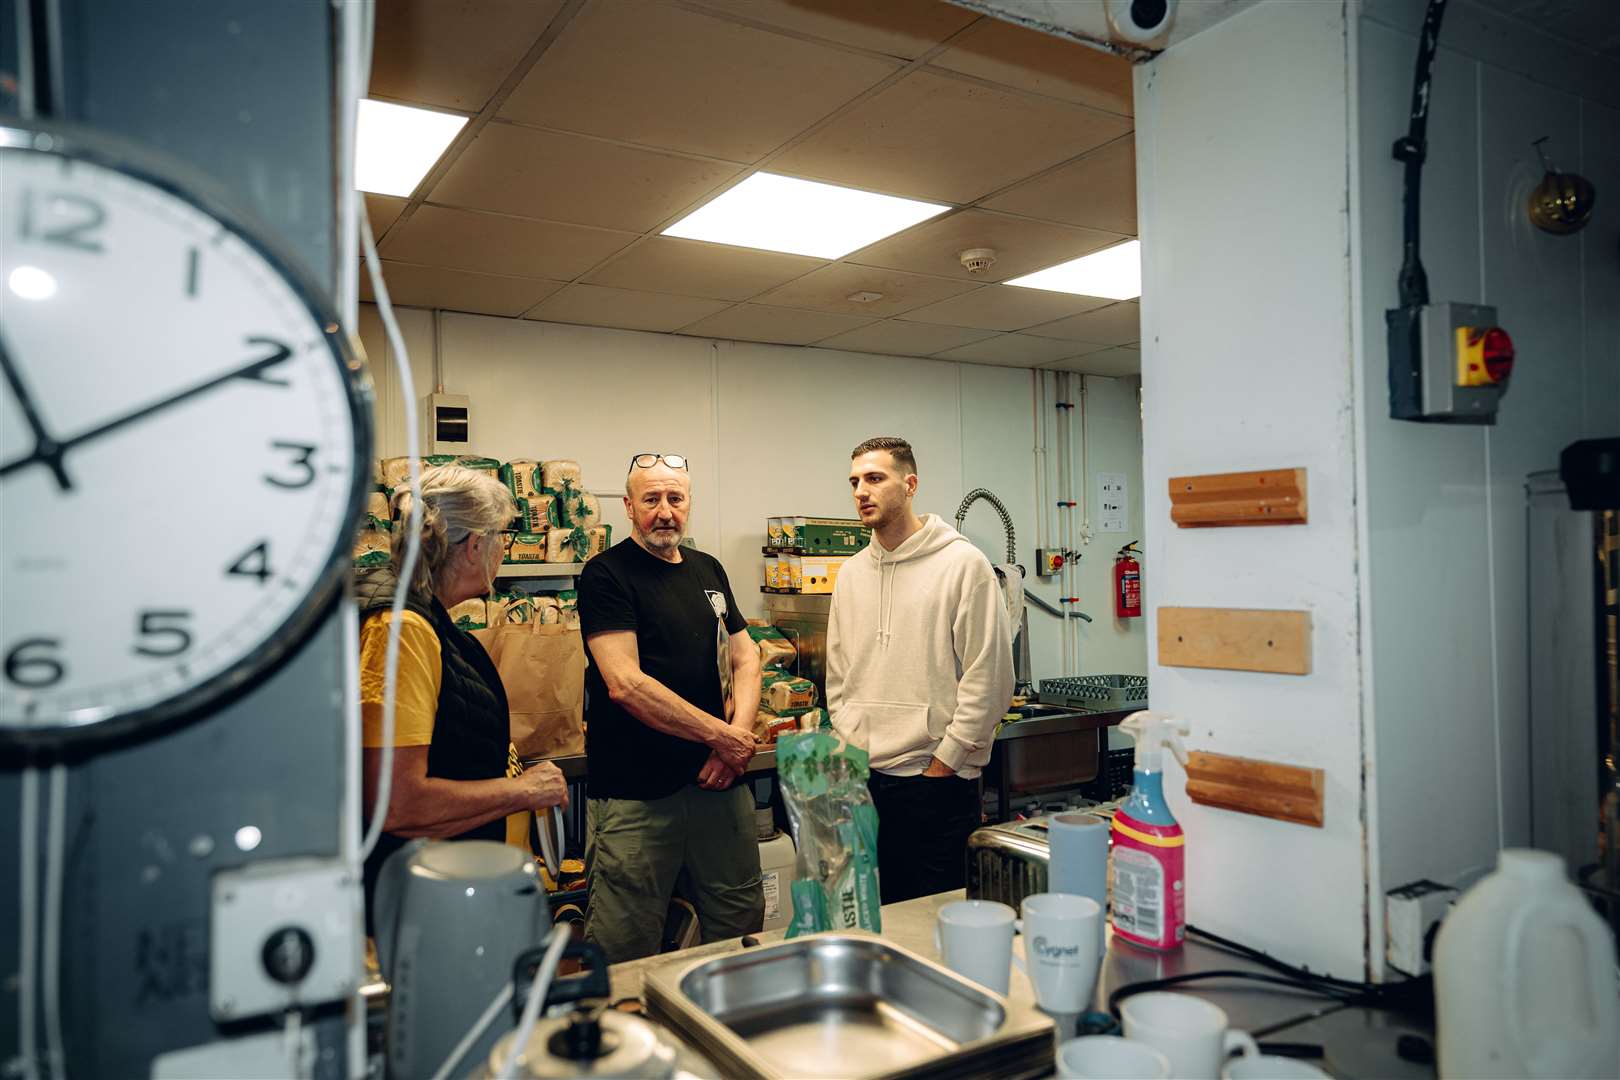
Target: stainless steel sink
column 846, row 1005
column 1036, row 708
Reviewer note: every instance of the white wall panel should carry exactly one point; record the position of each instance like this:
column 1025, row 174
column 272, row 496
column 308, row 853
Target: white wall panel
column 769, row 429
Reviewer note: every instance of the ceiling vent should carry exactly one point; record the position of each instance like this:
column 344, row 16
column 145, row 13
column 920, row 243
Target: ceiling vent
column 977, row 260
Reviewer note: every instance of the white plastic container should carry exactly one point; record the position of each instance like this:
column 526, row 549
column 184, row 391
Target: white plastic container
column 1524, row 978
column 776, row 857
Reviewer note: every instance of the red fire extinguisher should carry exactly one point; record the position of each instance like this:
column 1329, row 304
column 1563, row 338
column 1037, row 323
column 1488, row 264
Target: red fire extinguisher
column 1127, row 583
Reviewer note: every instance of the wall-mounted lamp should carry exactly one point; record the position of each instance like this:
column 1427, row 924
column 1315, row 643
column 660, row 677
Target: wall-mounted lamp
column 1562, row 202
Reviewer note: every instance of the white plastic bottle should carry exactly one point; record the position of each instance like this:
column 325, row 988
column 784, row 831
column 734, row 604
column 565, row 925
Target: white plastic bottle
column 1524, row 978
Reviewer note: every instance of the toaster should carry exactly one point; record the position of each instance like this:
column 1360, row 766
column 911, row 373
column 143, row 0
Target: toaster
column 1008, row 862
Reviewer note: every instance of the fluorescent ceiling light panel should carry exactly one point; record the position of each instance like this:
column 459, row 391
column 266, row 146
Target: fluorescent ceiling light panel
column 1114, row 273
column 396, row 145
column 801, row 217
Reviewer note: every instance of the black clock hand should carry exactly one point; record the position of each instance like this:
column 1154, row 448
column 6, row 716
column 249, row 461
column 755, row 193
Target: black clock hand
column 258, row 371
column 46, row 448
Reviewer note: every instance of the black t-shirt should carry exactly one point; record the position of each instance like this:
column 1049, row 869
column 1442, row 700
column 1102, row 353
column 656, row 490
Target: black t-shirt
column 683, row 615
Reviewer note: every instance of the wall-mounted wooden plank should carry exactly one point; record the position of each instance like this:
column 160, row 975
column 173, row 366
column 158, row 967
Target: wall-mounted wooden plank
column 1236, row 639
column 1269, row 497
column 1265, row 788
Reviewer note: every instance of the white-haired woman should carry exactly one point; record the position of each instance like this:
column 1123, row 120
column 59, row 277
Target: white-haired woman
column 455, row 773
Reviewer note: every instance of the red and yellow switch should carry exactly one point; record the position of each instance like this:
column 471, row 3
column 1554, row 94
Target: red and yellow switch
column 1484, row 356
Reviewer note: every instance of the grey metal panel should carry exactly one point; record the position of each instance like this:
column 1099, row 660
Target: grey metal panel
column 242, row 91
column 1562, row 756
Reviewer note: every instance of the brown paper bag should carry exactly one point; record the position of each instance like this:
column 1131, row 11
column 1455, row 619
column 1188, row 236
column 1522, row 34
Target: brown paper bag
column 542, row 667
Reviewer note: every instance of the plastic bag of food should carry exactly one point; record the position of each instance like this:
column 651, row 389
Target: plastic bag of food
column 775, row 650
column 835, row 885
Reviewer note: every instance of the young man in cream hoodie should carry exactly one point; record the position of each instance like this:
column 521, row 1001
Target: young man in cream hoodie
column 919, row 671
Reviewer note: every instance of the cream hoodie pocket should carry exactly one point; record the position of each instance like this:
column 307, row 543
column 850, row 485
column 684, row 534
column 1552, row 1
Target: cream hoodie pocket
column 889, row 730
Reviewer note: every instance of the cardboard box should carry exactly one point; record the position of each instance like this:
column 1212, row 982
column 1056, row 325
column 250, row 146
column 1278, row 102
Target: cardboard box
column 819, row 573
column 830, row 536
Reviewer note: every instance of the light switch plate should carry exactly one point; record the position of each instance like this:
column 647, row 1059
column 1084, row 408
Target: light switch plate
column 253, row 906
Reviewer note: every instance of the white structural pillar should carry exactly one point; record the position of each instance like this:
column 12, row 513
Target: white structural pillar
column 1244, row 136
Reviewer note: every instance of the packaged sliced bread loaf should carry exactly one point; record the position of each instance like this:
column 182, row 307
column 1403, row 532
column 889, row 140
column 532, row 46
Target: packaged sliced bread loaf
column 785, row 694
column 470, row 614
column 559, row 475
column 559, row 545
column 775, row 650
column 534, row 512
column 371, row 547
column 523, row 478
column 526, row 548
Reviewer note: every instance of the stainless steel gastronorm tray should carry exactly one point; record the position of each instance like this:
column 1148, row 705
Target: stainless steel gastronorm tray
column 846, row 1006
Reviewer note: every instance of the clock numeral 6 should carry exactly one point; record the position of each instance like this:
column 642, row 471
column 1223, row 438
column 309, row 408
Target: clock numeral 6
column 254, row 563
column 303, row 459
column 166, row 637
column 37, row 671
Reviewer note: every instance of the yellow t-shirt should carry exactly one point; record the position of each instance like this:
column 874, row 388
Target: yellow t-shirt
column 416, row 694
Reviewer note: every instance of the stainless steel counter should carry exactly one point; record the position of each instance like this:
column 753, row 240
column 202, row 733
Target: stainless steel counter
column 1356, row 1042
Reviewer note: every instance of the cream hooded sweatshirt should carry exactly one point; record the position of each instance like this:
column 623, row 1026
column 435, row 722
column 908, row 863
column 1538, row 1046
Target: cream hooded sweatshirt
column 919, row 653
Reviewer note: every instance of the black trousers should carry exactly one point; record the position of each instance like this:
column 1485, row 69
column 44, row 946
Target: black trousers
column 923, row 828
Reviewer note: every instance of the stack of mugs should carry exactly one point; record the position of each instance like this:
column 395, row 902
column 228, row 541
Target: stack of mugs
column 1166, row 1035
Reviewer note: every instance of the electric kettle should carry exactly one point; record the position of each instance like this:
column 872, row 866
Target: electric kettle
column 450, row 916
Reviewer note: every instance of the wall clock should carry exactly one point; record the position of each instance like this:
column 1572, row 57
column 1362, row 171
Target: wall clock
column 184, row 439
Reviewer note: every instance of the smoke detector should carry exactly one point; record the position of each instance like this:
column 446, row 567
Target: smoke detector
column 977, row 260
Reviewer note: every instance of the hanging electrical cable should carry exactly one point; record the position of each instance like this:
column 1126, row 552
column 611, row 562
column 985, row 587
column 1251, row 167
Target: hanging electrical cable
column 413, row 522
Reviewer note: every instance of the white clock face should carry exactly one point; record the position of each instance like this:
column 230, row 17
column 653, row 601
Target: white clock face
column 179, row 433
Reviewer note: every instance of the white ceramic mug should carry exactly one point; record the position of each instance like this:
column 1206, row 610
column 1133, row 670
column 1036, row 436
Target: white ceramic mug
column 1108, row 1057
column 1271, row 1067
column 1061, row 956
column 1188, row 1030
column 974, row 939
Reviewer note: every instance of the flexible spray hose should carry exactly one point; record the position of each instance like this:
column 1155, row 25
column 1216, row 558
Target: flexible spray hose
column 1006, row 518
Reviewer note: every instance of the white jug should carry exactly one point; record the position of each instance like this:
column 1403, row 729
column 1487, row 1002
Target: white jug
column 1524, row 978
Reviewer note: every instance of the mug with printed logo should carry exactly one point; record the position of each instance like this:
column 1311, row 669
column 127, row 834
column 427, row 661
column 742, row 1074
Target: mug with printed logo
column 1061, row 955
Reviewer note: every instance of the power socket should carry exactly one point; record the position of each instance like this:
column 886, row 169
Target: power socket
column 1409, row 913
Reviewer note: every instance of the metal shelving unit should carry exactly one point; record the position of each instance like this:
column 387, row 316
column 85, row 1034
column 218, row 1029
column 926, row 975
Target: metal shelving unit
column 539, row 570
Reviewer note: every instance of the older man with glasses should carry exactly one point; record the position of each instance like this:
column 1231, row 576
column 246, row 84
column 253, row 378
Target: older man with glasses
column 670, row 698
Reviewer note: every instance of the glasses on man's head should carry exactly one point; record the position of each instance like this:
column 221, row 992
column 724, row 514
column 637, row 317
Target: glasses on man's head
column 647, row 461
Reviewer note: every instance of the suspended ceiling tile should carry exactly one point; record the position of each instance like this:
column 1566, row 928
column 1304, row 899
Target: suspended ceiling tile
column 694, row 268
column 596, row 305
column 895, row 338
column 383, row 210
column 829, row 289
column 1098, row 191
column 1022, row 246
column 785, row 326
column 904, row 28
column 1016, row 56
column 458, row 290
column 1003, row 307
column 931, row 136
column 1116, row 324
column 1111, row 362
column 663, row 76
column 1012, row 350
column 496, row 244
column 559, row 177
column 453, row 53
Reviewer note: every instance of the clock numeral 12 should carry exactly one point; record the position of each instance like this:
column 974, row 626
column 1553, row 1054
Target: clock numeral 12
column 35, row 672
column 67, row 234
column 172, row 638
column 254, row 562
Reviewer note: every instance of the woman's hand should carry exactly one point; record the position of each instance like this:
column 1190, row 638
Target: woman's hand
column 543, row 785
